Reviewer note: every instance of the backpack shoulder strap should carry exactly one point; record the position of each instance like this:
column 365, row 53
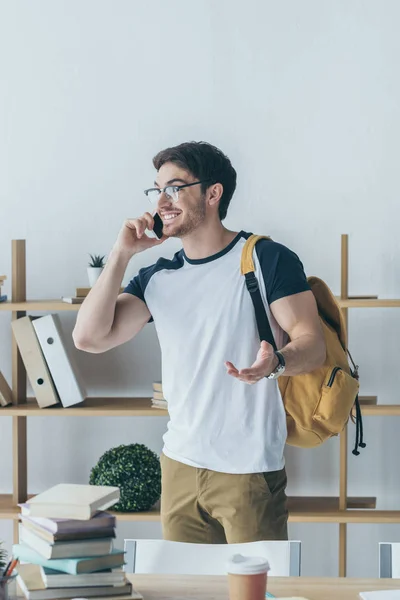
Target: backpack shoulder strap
column 247, row 269
column 247, row 263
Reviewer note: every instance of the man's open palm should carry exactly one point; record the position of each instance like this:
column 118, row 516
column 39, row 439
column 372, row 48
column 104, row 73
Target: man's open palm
column 266, row 361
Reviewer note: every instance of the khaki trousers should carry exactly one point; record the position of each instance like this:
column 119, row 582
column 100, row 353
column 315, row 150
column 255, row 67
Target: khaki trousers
column 206, row 507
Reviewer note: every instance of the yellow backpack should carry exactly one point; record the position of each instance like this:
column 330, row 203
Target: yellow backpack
column 317, row 404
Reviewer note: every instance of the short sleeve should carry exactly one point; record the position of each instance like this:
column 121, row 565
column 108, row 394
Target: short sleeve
column 282, row 270
column 134, row 287
column 138, row 284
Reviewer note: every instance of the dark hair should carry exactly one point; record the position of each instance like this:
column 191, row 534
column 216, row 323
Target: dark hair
column 205, row 162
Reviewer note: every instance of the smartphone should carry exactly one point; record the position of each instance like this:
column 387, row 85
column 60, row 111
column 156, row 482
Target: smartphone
column 158, row 225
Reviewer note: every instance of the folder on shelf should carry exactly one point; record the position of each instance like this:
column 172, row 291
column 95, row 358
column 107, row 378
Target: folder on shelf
column 60, row 361
column 5, row 391
column 34, row 361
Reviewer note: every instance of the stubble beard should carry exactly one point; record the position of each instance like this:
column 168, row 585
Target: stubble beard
column 192, row 220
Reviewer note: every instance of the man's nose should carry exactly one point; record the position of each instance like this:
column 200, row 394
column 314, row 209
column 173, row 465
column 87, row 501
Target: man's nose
column 164, row 201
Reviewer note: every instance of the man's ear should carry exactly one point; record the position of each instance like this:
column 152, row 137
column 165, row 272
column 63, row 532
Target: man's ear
column 215, row 192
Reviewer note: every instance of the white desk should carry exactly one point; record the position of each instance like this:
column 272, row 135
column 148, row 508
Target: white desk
column 174, row 587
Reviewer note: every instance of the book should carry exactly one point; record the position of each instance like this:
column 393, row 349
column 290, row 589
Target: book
column 3, row 297
column 30, row 581
column 55, row 579
column 158, row 396
column 72, row 299
column 157, row 386
column 50, row 537
column 34, row 361
column 160, row 404
column 64, row 549
column 73, row 501
column 5, row 391
column 60, row 360
column 56, row 526
column 73, row 566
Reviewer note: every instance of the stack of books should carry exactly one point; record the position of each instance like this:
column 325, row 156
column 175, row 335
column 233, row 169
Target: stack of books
column 3, row 297
column 158, row 400
column 67, row 545
column 80, row 295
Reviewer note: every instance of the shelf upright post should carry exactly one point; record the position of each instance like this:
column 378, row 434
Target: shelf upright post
column 19, row 433
column 344, row 293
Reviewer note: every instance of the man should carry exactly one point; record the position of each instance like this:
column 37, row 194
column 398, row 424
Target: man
column 223, row 473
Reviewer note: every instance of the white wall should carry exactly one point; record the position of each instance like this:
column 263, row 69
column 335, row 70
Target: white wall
column 302, row 95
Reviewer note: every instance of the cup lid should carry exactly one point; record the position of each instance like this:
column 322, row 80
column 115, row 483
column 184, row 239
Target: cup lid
column 247, row 565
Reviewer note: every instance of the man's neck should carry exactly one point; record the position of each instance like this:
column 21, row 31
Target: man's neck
column 207, row 241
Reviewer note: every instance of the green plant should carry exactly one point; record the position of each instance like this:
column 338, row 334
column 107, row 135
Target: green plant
column 3, row 557
column 136, row 470
column 97, row 261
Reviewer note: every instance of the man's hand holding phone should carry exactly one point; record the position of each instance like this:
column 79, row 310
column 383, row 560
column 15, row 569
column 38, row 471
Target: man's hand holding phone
column 132, row 238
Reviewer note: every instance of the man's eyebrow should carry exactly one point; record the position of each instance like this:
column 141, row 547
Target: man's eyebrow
column 171, row 181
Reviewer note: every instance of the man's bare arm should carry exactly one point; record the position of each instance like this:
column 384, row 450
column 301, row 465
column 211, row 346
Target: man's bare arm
column 106, row 318
column 298, row 316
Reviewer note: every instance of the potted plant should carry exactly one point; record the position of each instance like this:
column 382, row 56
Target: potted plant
column 95, row 268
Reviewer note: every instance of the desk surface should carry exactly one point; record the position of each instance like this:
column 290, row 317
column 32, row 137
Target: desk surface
column 174, row 587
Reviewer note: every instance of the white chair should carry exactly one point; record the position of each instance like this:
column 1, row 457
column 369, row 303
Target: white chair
column 181, row 558
column 389, row 559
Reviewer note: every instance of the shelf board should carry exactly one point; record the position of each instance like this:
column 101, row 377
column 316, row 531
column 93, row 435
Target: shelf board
column 380, row 410
column 368, row 302
column 301, row 509
column 9, row 511
column 368, row 400
column 38, row 305
column 92, row 407
column 59, row 305
column 141, row 407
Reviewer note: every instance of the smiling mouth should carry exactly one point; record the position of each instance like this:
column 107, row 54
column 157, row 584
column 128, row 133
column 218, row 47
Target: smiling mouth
column 169, row 218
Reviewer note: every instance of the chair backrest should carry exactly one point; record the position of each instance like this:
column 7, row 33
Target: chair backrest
column 389, row 559
column 181, row 558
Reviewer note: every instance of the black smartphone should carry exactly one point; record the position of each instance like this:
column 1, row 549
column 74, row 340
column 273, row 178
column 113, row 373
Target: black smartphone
column 158, row 225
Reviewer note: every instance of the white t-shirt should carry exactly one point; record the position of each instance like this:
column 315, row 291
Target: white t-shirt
column 204, row 316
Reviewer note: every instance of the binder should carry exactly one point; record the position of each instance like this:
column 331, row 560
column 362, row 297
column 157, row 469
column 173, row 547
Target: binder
column 5, row 391
column 60, row 360
column 34, row 361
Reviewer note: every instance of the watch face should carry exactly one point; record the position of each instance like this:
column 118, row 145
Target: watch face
column 278, row 371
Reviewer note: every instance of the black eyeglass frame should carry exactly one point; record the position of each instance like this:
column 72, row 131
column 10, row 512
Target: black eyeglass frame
column 176, row 188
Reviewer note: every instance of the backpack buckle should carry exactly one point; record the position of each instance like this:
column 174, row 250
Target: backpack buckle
column 251, row 282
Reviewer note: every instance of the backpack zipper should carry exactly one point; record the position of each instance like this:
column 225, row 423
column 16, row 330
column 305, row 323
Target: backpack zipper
column 333, row 375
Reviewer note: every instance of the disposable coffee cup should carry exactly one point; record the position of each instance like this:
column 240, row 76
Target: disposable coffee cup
column 247, row 577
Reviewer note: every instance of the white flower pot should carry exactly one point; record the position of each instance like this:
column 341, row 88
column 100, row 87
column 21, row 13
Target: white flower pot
column 94, row 274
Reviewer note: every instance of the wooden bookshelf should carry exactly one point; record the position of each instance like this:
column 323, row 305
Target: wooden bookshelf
column 341, row 509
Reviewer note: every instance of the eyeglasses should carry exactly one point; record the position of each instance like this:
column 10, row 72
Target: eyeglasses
column 171, row 191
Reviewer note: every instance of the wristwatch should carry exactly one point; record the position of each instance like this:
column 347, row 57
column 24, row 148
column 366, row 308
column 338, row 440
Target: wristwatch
column 280, row 369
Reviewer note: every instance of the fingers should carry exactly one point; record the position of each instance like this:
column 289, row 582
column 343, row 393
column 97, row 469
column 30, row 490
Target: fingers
column 246, row 375
column 140, row 224
column 231, row 369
